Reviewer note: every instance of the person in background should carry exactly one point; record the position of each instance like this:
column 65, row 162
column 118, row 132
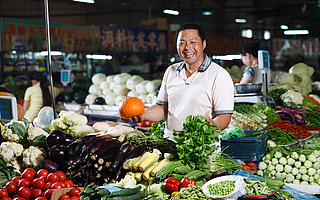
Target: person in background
column 38, row 95
column 249, row 57
column 196, row 86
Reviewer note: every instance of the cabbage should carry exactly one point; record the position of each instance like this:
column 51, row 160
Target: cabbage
column 120, row 89
column 302, row 68
column 90, row 98
column 141, row 87
column 291, row 78
column 121, row 78
column 133, row 81
column 151, row 98
column 118, row 99
column 104, row 85
column 143, row 98
column 110, row 99
column 287, row 86
column 132, row 93
column 81, row 131
column 95, row 89
column 106, row 91
column 109, row 78
column 98, row 78
column 152, row 86
column 228, row 70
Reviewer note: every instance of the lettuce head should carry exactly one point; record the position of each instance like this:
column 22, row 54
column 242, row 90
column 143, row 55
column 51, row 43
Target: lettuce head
column 302, row 68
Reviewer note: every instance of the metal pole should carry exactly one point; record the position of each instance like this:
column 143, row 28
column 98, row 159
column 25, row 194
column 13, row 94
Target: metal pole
column 46, row 9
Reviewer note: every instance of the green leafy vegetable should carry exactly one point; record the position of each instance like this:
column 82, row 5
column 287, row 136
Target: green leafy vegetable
column 267, row 110
column 158, row 127
column 18, row 129
column 276, row 95
column 40, row 141
column 196, row 141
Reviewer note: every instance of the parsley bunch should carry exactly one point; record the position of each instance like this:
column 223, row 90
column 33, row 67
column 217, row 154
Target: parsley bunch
column 196, row 141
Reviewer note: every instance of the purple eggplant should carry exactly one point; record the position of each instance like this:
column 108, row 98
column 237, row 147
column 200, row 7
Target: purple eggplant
column 124, row 150
column 106, row 150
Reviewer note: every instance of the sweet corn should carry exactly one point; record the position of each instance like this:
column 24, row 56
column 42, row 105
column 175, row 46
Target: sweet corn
column 135, row 166
column 137, row 176
column 161, row 164
column 149, row 161
column 129, row 163
column 146, row 173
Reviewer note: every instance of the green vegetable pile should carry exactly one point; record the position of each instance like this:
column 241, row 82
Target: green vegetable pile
column 191, row 192
column 237, row 132
column 221, row 188
column 268, row 111
column 158, row 127
column 276, row 95
column 194, row 142
column 256, row 187
column 6, row 172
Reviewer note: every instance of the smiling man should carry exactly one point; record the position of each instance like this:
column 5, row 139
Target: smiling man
column 196, row 86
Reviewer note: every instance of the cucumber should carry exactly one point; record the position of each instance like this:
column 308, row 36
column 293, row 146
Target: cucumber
column 135, row 196
column 125, row 192
column 103, row 192
column 87, row 191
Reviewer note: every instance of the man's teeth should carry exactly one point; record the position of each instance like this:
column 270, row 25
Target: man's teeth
column 189, row 54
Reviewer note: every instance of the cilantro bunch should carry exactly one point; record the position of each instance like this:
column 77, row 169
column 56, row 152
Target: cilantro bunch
column 196, row 141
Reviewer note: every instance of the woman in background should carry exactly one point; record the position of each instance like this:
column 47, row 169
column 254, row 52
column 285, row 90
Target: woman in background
column 38, row 95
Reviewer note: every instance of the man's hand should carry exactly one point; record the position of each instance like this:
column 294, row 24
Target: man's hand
column 209, row 119
column 134, row 119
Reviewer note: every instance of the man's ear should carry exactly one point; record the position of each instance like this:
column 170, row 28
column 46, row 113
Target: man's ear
column 204, row 44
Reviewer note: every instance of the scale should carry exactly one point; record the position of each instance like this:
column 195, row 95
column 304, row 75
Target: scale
column 252, row 98
column 8, row 108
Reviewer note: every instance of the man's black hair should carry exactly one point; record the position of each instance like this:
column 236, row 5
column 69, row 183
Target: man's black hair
column 191, row 25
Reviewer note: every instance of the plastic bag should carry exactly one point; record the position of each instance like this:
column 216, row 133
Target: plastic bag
column 232, row 132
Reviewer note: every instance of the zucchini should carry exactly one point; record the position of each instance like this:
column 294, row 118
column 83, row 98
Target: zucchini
column 87, row 191
column 135, row 196
column 103, row 192
column 164, row 171
column 125, row 192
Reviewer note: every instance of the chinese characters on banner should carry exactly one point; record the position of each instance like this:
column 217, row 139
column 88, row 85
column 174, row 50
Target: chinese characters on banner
column 115, row 39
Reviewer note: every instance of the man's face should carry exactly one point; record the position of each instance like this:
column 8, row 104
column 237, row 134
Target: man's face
column 190, row 47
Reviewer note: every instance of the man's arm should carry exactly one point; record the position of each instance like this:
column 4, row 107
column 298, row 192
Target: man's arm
column 222, row 121
column 154, row 113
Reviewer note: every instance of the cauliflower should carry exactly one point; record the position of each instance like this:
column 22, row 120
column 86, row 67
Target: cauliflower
column 33, row 156
column 17, row 164
column 75, row 118
column 35, row 131
column 292, row 98
column 10, row 150
column 14, row 131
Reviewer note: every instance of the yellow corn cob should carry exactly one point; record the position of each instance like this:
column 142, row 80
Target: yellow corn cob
column 161, row 164
column 149, row 161
column 130, row 173
column 137, row 176
column 128, row 164
column 135, row 166
column 146, row 173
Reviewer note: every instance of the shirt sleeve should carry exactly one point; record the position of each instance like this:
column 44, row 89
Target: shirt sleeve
column 248, row 73
column 27, row 95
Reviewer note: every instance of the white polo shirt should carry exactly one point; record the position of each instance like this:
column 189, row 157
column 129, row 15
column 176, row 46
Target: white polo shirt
column 209, row 90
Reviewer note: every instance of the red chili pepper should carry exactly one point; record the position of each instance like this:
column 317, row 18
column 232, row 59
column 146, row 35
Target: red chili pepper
column 252, row 165
column 185, row 182
column 171, row 184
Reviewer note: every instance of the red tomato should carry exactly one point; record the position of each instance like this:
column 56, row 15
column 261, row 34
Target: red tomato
column 74, row 192
column 47, row 193
column 41, row 198
column 53, row 177
column 38, row 183
column 42, row 172
column 6, row 198
column 15, row 195
column 27, row 175
column 70, row 182
column 36, row 193
column 24, row 192
column 19, row 198
column 64, row 185
column 16, row 179
column 64, row 196
column 44, row 178
column 56, row 185
column 11, row 187
column 62, row 175
column 24, row 183
column 33, row 171
column 3, row 193
column 47, row 186
column 75, row 198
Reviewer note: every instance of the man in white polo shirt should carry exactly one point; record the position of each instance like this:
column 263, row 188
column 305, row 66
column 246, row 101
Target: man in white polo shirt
column 196, row 86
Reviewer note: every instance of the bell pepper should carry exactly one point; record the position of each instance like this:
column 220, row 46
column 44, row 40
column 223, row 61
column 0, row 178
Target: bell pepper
column 185, row 182
column 171, row 184
column 252, row 165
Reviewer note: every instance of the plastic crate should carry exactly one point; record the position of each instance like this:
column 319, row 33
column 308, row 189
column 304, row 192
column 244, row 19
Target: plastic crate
column 246, row 149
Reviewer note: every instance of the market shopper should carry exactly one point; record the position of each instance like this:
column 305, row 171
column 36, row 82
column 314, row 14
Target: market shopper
column 38, row 95
column 249, row 57
column 196, row 86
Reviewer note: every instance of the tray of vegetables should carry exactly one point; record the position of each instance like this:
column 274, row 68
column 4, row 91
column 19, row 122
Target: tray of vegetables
column 257, row 189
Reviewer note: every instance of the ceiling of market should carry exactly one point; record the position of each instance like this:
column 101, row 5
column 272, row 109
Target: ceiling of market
column 260, row 15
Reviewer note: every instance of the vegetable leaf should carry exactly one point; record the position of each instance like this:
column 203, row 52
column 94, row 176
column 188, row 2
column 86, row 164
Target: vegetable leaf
column 19, row 129
column 40, row 141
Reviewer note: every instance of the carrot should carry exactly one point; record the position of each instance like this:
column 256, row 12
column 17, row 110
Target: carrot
column 312, row 99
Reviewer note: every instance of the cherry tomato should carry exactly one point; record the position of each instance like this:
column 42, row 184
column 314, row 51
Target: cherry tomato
column 33, row 171
column 47, row 186
column 24, row 192
column 42, row 172
column 11, row 187
column 38, row 183
column 47, row 193
column 68, row 185
column 16, row 179
column 64, row 196
column 62, row 175
column 3, row 193
column 74, row 192
column 15, row 195
column 36, row 193
column 27, row 175
column 24, row 183
column 56, row 185
column 75, row 197
column 19, row 198
column 53, row 177
column 70, row 182
column 63, row 184
column 6, row 198
column 41, row 198
column 44, row 178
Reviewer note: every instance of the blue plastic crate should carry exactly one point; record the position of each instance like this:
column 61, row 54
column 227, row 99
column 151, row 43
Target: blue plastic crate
column 246, row 149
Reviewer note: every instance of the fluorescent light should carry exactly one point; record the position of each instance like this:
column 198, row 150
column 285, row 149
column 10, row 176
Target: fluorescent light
column 99, row 57
column 171, row 12
column 284, row 27
column 247, row 33
column 267, row 35
column 13, row 52
column 172, row 59
column 85, row 1
column 53, row 53
column 240, row 20
column 206, row 13
column 296, row 32
column 226, row 57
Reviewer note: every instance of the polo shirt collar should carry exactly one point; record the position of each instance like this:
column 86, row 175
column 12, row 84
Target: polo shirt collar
column 204, row 66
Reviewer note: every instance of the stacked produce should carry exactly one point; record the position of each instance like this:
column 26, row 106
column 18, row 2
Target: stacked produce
column 112, row 89
column 78, row 92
